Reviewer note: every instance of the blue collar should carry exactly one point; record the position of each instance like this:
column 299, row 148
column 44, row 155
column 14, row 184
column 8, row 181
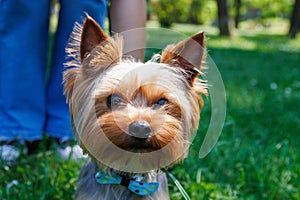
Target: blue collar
column 134, row 185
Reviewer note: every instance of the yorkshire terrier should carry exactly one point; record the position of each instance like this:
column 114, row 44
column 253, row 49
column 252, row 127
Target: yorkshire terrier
column 131, row 118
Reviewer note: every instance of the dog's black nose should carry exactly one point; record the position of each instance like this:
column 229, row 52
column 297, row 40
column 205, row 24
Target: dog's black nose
column 139, row 129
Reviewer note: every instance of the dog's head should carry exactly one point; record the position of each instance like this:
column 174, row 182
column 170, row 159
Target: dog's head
column 133, row 116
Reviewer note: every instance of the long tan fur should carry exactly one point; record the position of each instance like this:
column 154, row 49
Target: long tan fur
column 95, row 72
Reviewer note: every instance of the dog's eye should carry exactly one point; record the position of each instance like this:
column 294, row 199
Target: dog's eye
column 114, row 101
column 160, row 102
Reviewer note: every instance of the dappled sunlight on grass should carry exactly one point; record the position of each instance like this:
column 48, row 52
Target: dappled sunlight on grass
column 267, row 26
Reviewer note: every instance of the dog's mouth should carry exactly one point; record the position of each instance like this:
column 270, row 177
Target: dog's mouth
column 137, row 150
column 139, row 145
column 136, row 144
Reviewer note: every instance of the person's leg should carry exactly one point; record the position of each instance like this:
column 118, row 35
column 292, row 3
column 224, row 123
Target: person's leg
column 129, row 19
column 58, row 117
column 23, row 60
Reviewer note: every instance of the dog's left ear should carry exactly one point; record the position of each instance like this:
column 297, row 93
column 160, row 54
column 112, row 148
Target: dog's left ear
column 187, row 54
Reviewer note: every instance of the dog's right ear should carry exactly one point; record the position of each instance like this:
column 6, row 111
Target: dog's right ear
column 91, row 36
column 98, row 51
column 90, row 51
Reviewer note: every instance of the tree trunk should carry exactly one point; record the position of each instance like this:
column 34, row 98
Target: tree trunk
column 223, row 19
column 195, row 9
column 295, row 20
column 237, row 5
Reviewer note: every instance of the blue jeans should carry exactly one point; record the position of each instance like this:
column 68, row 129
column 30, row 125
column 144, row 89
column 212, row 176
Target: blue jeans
column 30, row 105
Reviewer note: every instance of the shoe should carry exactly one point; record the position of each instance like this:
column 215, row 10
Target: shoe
column 67, row 150
column 9, row 153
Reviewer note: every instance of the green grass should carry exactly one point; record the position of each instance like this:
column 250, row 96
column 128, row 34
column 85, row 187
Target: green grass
column 258, row 153
column 257, row 156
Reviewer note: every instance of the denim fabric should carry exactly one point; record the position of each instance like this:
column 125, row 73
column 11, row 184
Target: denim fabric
column 29, row 105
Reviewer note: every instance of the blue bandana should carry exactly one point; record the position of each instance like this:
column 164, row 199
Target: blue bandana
column 137, row 187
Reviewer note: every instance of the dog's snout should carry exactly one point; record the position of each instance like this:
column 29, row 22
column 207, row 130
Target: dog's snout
column 140, row 129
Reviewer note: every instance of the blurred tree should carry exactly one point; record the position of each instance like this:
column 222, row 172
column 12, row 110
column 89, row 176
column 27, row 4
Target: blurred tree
column 295, row 20
column 202, row 12
column 195, row 11
column 237, row 16
column 170, row 11
column 223, row 18
column 149, row 9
